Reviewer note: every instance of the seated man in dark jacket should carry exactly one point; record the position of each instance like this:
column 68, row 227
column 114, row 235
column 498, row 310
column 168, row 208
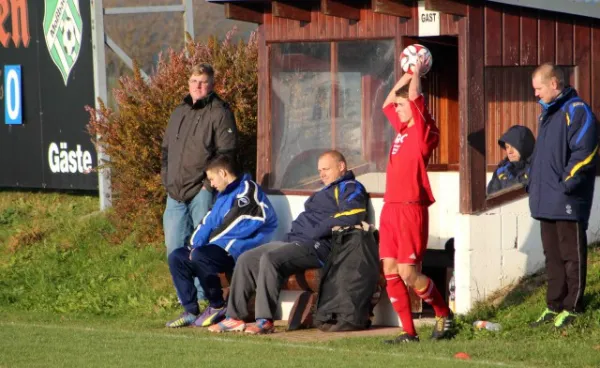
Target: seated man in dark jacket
column 342, row 202
column 518, row 143
column 241, row 219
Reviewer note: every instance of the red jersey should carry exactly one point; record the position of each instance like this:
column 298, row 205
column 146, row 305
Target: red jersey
column 406, row 178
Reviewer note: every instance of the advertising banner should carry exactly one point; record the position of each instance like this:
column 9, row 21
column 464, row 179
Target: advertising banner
column 47, row 79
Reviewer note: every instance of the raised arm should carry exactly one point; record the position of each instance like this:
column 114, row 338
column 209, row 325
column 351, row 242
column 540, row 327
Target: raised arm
column 430, row 134
column 414, row 89
column 405, row 79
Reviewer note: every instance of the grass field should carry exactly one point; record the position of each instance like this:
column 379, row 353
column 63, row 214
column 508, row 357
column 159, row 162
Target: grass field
column 68, row 297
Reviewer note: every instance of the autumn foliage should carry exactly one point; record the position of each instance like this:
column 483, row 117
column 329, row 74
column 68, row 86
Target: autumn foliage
column 132, row 134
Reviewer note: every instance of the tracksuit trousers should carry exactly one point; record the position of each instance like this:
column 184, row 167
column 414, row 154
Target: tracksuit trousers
column 565, row 248
column 206, row 264
column 263, row 270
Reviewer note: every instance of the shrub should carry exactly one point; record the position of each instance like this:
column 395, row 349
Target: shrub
column 131, row 136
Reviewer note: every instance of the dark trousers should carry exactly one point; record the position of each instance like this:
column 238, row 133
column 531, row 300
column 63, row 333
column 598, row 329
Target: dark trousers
column 206, row 264
column 565, row 248
column 263, row 270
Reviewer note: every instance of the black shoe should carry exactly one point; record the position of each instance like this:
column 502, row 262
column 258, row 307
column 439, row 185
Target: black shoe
column 443, row 328
column 402, row 338
column 547, row 316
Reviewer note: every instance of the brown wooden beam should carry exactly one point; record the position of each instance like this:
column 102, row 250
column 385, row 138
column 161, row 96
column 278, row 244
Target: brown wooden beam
column 293, row 11
column 398, row 8
column 456, row 7
column 337, row 8
column 245, row 13
column 263, row 126
column 505, row 196
column 472, row 171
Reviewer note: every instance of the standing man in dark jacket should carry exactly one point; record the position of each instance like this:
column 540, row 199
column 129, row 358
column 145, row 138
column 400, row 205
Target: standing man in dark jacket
column 342, row 202
column 518, row 143
column 201, row 127
column 561, row 188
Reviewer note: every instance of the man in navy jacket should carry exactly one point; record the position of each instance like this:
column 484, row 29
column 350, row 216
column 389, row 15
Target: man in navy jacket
column 342, row 202
column 561, row 188
column 241, row 219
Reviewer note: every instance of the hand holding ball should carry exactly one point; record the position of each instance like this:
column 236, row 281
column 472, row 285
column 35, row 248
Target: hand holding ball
column 416, row 58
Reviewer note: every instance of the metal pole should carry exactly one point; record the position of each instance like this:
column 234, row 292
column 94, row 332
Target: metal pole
column 100, row 91
column 123, row 55
column 188, row 18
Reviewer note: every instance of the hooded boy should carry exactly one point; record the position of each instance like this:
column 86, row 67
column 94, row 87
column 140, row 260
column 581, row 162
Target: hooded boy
column 518, row 143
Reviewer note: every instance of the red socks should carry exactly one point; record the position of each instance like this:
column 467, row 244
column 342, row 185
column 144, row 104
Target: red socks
column 431, row 295
column 398, row 294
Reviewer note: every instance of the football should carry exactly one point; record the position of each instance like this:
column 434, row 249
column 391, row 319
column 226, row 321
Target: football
column 69, row 39
column 411, row 54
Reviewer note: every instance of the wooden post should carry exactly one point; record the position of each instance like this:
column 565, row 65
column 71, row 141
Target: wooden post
column 472, row 169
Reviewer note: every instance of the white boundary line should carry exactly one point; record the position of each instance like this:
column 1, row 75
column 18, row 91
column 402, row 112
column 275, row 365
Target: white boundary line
column 261, row 341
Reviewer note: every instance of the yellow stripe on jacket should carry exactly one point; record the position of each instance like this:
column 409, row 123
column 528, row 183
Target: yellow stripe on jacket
column 582, row 163
column 350, row 213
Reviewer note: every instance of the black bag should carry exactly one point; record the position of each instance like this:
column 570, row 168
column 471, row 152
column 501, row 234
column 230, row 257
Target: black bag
column 349, row 280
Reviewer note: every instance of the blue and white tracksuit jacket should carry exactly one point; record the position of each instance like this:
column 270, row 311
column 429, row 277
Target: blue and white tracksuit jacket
column 241, row 219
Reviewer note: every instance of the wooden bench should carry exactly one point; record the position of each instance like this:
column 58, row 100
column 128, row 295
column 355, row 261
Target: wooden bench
column 304, row 305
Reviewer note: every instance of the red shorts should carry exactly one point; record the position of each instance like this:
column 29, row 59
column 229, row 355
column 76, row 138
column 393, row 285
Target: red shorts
column 403, row 232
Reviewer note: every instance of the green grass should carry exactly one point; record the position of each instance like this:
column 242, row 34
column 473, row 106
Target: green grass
column 55, row 256
column 69, row 297
column 30, row 340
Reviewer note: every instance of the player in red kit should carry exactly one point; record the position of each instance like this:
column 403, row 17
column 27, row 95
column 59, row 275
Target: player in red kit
column 404, row 223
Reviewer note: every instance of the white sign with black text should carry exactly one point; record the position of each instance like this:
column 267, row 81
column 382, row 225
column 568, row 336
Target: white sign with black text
column 429, row 21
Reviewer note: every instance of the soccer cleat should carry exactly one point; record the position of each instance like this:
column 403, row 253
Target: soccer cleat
column 546, row 317
column 261, row 327
column 443, row 327
column 210, row 316
column 184, row 319
column 402, row 338
column 564, row 319
column 228, row 325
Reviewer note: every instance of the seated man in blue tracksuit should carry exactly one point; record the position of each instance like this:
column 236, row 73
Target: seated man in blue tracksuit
column 241, row 219
column 342, row 202
column 518, row 143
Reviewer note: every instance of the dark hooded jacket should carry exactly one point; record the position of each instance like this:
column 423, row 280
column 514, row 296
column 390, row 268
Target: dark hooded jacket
column 513, row 173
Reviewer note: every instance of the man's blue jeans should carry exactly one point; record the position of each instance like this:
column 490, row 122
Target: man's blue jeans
column 179, row 221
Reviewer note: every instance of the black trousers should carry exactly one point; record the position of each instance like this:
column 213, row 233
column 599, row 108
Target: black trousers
column 565, row 248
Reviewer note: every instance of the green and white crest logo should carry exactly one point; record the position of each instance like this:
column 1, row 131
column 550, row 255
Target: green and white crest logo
column 62, row 29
